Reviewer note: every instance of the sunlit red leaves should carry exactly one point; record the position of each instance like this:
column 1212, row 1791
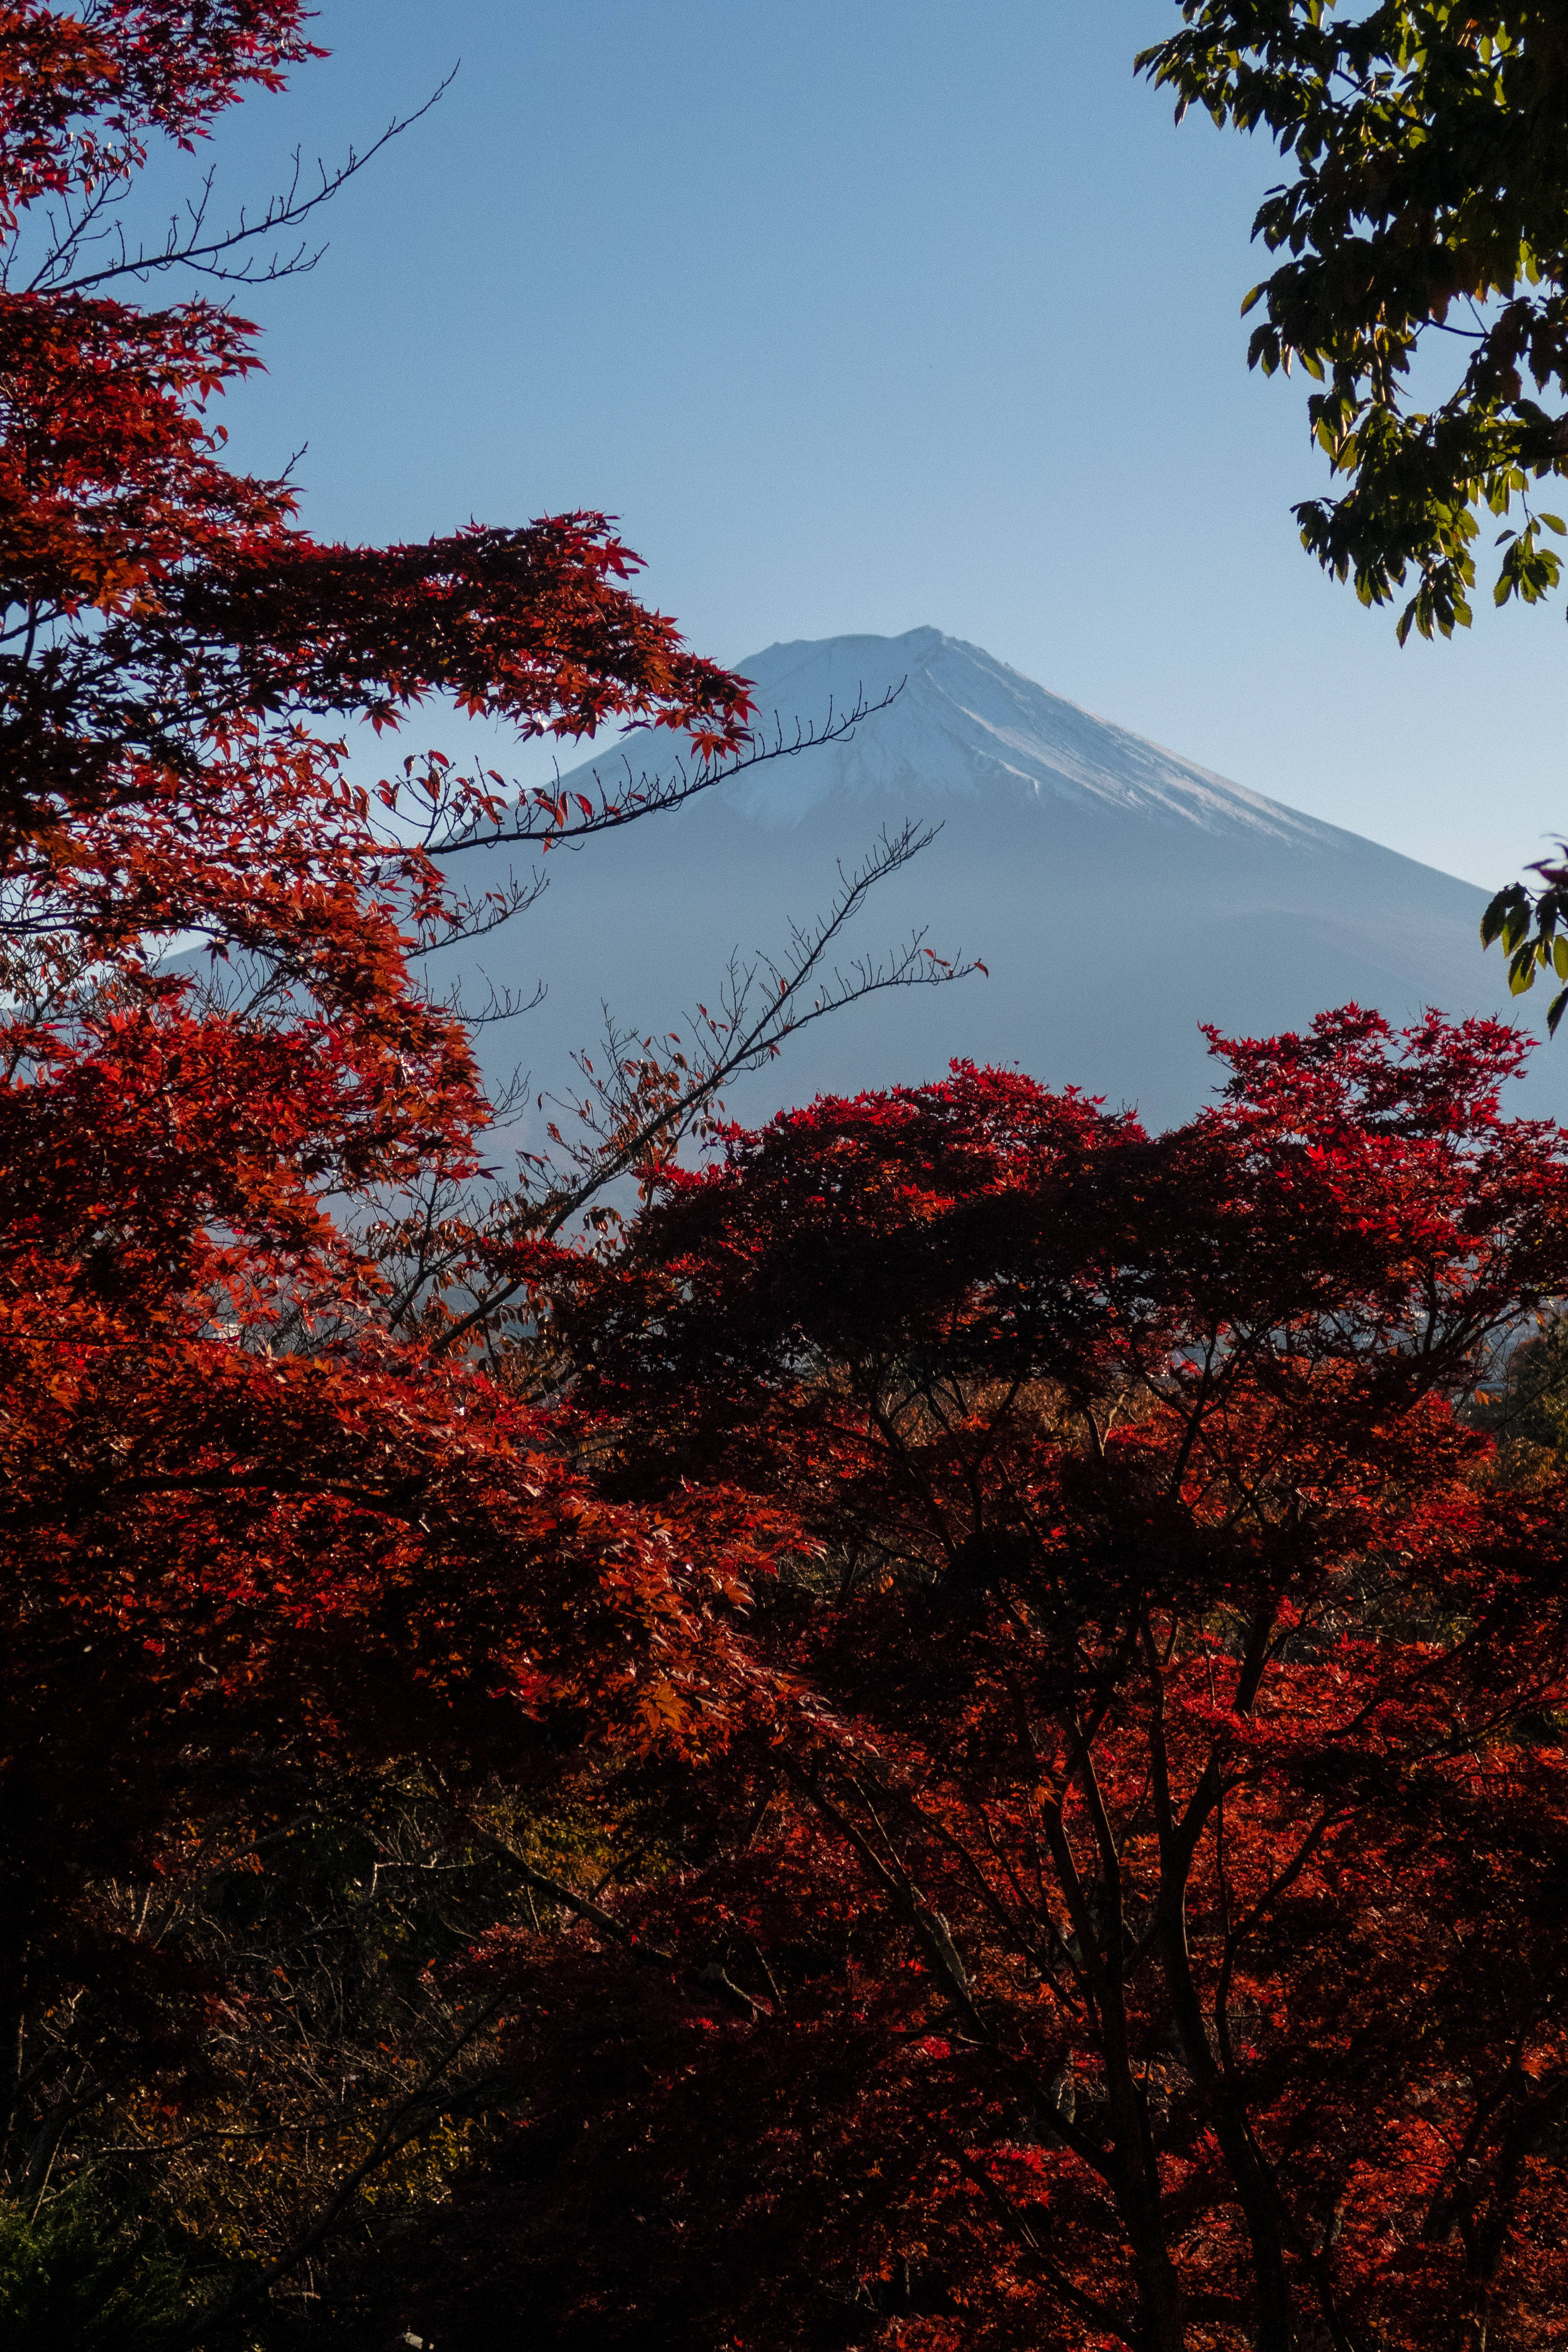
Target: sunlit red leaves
column 215, row 1543
column 244, row 1514
column 1248, row 1311
column 107, row 469
column 1155, row 1589
column 532, row 625
column 81, row 88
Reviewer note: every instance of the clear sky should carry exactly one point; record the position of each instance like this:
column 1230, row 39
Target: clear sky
column 864, row 314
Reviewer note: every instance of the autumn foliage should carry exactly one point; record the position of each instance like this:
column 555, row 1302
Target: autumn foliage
column 246, row 1518
column 1158, row 1949
column 952, row 1738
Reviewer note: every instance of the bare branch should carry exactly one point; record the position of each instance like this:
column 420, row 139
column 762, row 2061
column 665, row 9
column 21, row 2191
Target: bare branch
column 186, row 246
column 542, row 818
column 635, row 1110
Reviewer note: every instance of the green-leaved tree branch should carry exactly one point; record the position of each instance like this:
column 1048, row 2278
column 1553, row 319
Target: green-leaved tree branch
column 1428, row 211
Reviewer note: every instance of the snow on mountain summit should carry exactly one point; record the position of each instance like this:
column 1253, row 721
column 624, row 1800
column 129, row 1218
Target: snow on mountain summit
column 964, row 725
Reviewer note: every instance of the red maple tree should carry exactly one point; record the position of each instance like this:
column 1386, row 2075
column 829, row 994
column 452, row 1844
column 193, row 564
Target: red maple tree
column 244, row 1516
column 1154, row 1942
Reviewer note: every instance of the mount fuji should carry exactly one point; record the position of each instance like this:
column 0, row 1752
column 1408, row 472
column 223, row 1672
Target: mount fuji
column 1119, row 895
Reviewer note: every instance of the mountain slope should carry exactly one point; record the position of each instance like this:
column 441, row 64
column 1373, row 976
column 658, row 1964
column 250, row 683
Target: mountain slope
column 965, row 726
column 1119, row 895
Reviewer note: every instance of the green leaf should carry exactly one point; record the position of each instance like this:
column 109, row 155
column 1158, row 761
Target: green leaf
column 1508, row 900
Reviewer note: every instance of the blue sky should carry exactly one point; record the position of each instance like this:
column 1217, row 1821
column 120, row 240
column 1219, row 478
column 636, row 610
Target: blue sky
column 863, row 316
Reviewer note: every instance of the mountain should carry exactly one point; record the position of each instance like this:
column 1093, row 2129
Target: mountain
column 964, row 727
column 1119, row 894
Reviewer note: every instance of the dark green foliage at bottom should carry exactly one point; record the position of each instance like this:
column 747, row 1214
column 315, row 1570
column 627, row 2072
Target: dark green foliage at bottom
column 74, row 2279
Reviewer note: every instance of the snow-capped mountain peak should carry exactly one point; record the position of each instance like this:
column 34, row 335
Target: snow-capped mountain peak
column 964, row 725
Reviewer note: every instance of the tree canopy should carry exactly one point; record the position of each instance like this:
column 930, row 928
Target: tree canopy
column 265, row 1522
column 1150, row 1941
column 1428, row 214
column 1422, row 283
column 951, row 1731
